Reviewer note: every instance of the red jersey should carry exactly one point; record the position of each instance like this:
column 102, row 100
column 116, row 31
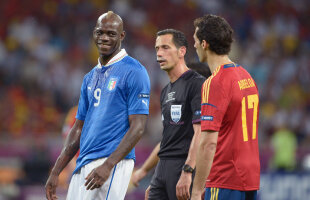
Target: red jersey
column 230, row 105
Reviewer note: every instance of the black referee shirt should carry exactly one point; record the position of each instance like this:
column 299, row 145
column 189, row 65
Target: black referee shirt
column 180, row 108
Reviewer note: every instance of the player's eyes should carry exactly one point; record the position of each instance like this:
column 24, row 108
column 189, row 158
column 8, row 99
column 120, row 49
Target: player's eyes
column 112, row 34
column 99, row 32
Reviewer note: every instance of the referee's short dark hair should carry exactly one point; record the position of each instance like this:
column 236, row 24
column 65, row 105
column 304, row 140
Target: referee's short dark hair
column 178, row 37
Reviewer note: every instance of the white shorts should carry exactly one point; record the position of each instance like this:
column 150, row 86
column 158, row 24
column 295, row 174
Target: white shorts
column 113, row 189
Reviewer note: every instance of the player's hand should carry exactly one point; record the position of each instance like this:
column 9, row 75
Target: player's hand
column 146, row 197
column 50, row 187
column 98, row 176
column 183, row 185
column 137, row 176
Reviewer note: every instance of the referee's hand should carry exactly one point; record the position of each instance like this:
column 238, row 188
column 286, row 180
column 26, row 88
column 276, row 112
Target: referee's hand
column 183, row 185
column 146, row 197
column 137, row 176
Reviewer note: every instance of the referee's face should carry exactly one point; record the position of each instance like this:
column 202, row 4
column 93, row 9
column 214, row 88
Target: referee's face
column 167, row 53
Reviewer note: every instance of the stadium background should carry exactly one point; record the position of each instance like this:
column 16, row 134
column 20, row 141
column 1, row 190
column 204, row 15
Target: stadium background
column 46, row 48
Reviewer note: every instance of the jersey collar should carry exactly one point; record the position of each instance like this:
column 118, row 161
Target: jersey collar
column 118, row 57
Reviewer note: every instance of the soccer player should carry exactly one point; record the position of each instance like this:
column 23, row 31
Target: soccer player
column 111, row 117
column 228, row 158
column 180, row 106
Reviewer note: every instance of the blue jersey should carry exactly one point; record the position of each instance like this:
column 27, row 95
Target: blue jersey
column 109, row 94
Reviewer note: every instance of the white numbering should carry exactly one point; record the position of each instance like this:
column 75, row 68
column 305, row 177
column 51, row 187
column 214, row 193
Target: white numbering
column 97, row 94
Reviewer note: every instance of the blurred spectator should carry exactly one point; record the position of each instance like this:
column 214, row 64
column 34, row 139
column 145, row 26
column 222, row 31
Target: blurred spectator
column 284, row 144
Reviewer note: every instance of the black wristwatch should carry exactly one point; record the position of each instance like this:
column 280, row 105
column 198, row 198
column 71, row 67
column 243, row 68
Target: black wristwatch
column 187, row 168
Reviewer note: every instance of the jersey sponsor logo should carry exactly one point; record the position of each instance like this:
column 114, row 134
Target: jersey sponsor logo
column 112, row 83
column 197, row 112
column 170, row 96
column 207, row 118
column 176, row 113
column 143, row 95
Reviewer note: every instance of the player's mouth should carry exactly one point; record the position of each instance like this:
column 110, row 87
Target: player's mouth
column 161, row 62
column 103, row 46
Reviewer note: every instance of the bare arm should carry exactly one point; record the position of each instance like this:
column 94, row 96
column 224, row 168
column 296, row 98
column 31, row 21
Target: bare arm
column 152, row 160
column 184, row 183
column 70, row 148
column 133, row 135
column 149, row 164
column 100, row 174
column 192, row 152
column 206, row 151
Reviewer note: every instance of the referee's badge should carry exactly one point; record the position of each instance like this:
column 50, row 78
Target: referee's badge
column 176, row 113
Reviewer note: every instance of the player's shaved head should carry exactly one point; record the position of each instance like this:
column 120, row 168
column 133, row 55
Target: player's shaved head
column 108, row 35
column 111, row 17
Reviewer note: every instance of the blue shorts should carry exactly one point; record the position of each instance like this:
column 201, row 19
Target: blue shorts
column 224, row 194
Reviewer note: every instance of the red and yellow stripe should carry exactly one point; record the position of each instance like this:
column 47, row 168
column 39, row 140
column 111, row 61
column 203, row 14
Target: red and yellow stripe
column 206, row 86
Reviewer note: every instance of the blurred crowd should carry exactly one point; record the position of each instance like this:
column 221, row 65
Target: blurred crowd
column 46, row 48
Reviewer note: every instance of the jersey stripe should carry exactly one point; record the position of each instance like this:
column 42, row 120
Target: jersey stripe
column 111, row 182
column 206, row 85
column 204, row 91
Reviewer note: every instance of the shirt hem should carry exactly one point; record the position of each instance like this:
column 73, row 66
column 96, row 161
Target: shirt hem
column 231, row 187
column 135, row 112
column 211, row 128
column 79, row 117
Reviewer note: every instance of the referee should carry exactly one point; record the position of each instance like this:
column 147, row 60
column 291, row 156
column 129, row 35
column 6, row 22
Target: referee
column 180, row 105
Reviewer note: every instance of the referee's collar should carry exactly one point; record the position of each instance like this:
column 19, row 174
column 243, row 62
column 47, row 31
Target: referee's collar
column 118, row 57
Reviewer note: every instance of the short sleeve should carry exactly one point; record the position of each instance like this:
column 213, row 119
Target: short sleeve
column 138, row 84
column 83, row 102
column 195, row 101
column 214, row 105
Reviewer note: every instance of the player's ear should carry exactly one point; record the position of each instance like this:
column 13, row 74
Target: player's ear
column 204, row 44
column 182, row 51
column 123, row 34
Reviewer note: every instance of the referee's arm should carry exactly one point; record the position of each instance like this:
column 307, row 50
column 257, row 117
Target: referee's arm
column 149, row 164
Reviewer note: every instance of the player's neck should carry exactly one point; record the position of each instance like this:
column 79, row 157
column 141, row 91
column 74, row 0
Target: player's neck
column 177, row 71
column 215, row 60
column 104, row 59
